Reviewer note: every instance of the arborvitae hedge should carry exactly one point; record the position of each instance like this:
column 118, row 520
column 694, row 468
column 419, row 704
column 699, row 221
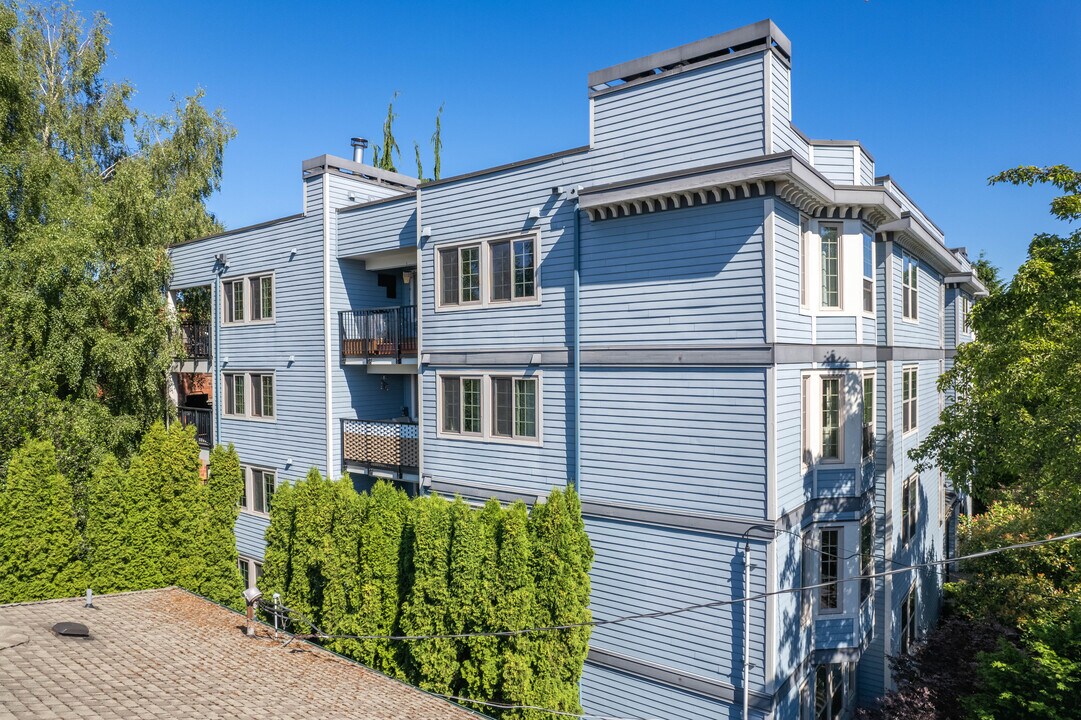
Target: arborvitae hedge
column 384, row 564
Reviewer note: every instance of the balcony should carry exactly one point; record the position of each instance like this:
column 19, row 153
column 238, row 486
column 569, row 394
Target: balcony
column 383, row 336
column 195, row 340
column 381, row 446
column 202, row 419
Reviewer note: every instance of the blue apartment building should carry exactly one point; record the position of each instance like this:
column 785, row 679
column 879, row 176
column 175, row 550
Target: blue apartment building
column 724, row 334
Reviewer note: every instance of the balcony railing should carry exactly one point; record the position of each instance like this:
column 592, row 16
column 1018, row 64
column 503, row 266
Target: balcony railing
column 382, row 444
column 381, row 334
column 202, row 419
column 195, row 340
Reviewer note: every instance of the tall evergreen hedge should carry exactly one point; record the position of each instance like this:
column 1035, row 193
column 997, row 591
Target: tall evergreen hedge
column 385, row 564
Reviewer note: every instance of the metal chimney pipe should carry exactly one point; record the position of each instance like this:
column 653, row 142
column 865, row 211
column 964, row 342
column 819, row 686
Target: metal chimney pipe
column 359, row 144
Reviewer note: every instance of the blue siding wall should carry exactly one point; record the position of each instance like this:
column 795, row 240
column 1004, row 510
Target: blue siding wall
column 676, row 439
column 389, row 225
column 615, row 694
column 791, row 325
column 925, row 331
column 785, row 136
column 251, row 535
column 707, row 115
column 692, row 276
column 793, row 488
column 867, row 168
column 835, row 162
column 668, row 569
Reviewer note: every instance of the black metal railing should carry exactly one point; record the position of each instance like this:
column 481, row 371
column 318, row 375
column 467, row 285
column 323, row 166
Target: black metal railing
column 383, row 444
column 202, row 419
column 380, row 334
column 195, row 340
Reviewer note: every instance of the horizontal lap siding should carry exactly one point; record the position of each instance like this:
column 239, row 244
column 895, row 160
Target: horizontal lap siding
column 690, row 276
column 703, row 116
column 391, row 225
column 785, row 136
column 867, row 168
column 835, row 162
column 299, row 432
column 794, row 635
column 251, row 535
column 496, row 205
column 526, row 468
column 791, row 325
column 925, row 331
column 836, row 329
column 616, row 694
column 952, row 315
column 639, row 568
column 792, row 489
column 675, row 439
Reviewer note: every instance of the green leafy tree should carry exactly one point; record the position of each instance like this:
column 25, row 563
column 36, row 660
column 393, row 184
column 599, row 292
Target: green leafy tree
column 220, row 579
column 437, row 142
column 342, row 598
column 516, row 609
column 432, row 664
column 420, row 165
column 390, row 146
column 94, row 189
column 40, row 546
column 379, row 568
column 1064, row 207
column 278, row 558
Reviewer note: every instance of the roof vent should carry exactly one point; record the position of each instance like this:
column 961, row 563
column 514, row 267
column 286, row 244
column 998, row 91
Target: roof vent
column 359, row 144
column 71, row 629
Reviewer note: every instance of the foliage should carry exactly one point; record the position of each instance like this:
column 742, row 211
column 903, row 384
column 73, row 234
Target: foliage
column 384, row 564
column 123, row 552
column 40, row 546
column 1065, row 207
column 420, row 165
column 220, row 579
column 93, row 190
column 437, row 142
column 390, row 145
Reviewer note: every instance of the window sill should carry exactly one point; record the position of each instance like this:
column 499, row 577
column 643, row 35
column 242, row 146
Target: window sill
column 255, row 513
column 488, row 305
column 250, row 323
column 536, row 442
column 226, row 416
column 910, row 321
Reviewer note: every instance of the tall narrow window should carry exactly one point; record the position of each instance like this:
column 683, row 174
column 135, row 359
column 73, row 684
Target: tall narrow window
column 868, row 416
column 262, row 297
column 909, row 508
column 502, row 407
column 448, row 276
column 909, row 287
column 829, row 693
column 502, row 275
column 470, row 268
column 471, row 405
column 909, row 399
column 868, row 274
column 461, row 405
column 234, row 394
column 262, row 395
column 831, row 266
column 805, row 421
column 512, row 270
column 829, row 567
column 804, row 258
column 263, row 486
column 867, row 549
column 452, row 405
column 966, row 307
column 908, row 621
column 233, row 294
column 524, row 269
column 514, row 407
column 831, row 418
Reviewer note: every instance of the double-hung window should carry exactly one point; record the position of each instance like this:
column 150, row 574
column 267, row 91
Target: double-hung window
column 830, row 237
column 829, row 570
column 868, row 415
column 488, row 272
column 514, row 407
column 867, row 562
column 908, row 621
column 461, row 405
column 832, row 417
column 250, row 571
column 910, row 298
column 966, row 307
column 248, row 395
column 868, row 274
column 910, row 499
column 248, row 299
column 909, row 399
column 829, row 692
column 259, row 486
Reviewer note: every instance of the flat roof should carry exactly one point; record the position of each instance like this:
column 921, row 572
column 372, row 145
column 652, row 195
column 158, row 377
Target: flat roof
column 171, row 654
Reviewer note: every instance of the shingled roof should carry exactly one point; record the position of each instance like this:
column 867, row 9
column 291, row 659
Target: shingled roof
column 170, row 654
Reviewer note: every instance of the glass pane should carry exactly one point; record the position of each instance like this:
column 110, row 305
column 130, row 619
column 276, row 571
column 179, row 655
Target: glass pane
column 501, row 271
column 238, row 301
column 452, row 405
column 868, row 400
column 525, row 407
column 258, row 571
column 470, row 405
column 244, row 495
column 828, row 569
column 256, row 395
column 268, row 395
column 831, row 293
column 448, row 265
column 470, row 272
column 868, row 257
column 243, row 564
column 268, row 490
column 502, row 407
column 237, row 383
column 256, row 299
column 258, row 490
column 868, row 295
column 523, row 269
column 831, row 417
column 266, row 294
column 227, row 295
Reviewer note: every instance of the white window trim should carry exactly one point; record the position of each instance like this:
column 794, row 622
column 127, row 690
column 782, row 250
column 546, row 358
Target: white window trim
column 486, row 409
column 913, row 510
column 841, row 419
column 915, row 369
column 245, row 281
column 873, row 377
column 911, row 597
column 840, row 559
column 840, row 308
column 804, row 255
column 904, row 289
column 248, row 396
column 251, row 563
column 249, row 495
column 485, row 286
column 873, row 312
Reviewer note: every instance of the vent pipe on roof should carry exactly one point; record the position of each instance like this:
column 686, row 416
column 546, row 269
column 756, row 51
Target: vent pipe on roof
column 359, row 144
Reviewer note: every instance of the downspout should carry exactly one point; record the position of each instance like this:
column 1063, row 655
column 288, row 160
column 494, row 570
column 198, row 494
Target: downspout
column 576, row 479
column 746, row 629
column 215, row 381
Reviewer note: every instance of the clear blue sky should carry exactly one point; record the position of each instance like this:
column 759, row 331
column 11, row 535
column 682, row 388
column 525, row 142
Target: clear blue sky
column 943, row 94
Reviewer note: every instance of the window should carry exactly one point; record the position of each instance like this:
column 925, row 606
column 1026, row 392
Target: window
column 461, row 405
column 829, row 568
column 867, row 557
column 868, row 274
column 249, row 299
column 966, row 307
column 805, row 412
column 512, row 270
column 909, row 287
column 908, row 621
column 509, row 405
column 250, row 570
column 868, row 416
column 831, row 419
column 249, row 395
column 909, row 397
column 829, row 693
column 909, row 508
column 804, row 257
column 831, row 265
column 259, row 486
column 488, row 272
